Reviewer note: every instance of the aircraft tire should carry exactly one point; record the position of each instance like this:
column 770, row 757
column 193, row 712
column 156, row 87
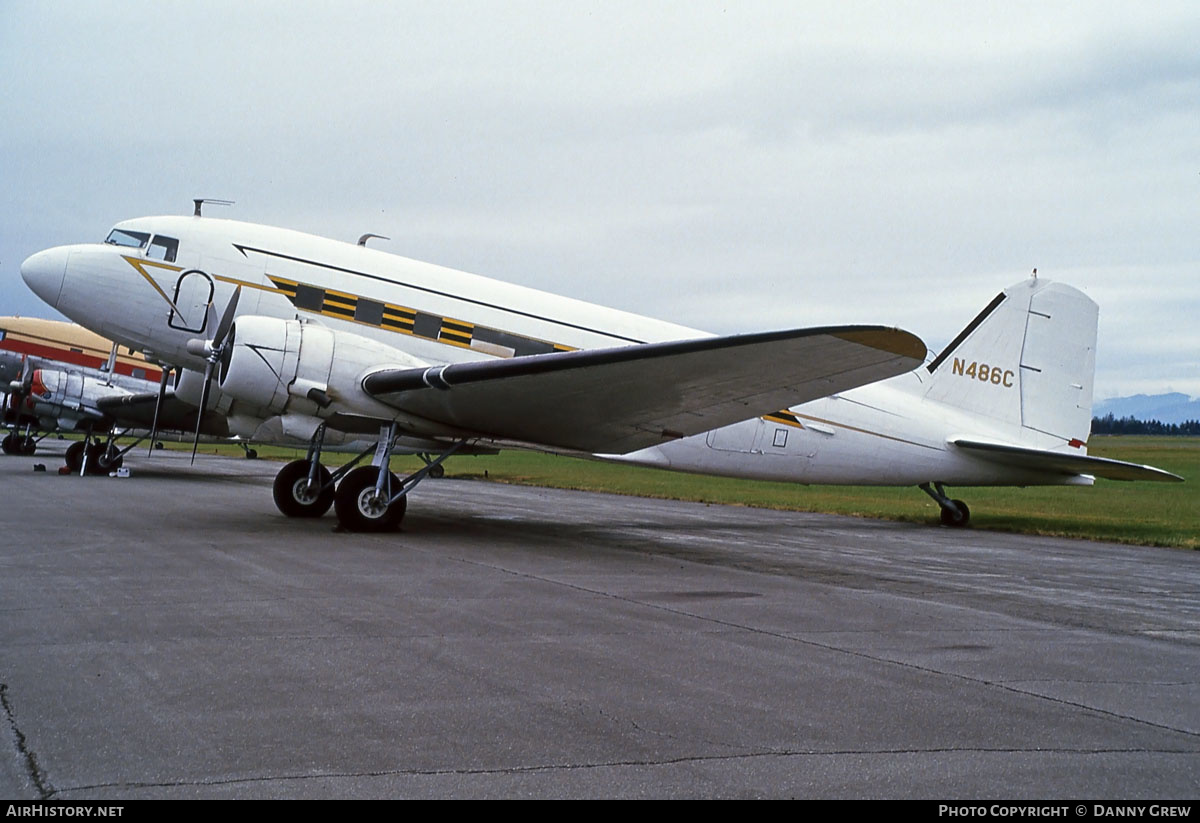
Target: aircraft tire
column 74, row 456
column 956, row 519
column 9, row 445
column 26, row 445
column 357, row 509
column 101, row 460
column 108, row 460
column 437, row 471
column 291, row 493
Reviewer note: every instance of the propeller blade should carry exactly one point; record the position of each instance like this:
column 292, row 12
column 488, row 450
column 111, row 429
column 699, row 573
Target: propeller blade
column 226, row 319
column 162, row 393
column 208, row 371
column 26, row 375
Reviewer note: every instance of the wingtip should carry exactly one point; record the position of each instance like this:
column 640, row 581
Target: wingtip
column 893, row 341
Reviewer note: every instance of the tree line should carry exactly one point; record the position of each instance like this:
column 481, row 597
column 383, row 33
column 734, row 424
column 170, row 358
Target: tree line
column 1129, row 425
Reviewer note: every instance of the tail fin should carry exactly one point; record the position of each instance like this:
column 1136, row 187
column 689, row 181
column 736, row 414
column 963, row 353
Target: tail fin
column 1028, row 359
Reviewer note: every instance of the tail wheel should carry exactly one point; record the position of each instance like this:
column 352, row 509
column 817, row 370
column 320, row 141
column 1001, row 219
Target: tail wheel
column 959, row 518
column 74, row 456
column 360, row 508
column 293, row 496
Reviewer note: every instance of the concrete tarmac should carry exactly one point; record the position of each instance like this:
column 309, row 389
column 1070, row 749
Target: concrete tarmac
column 170, row 635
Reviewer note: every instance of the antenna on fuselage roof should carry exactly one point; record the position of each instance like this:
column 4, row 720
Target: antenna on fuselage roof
column 200, row 201
column 362, row 241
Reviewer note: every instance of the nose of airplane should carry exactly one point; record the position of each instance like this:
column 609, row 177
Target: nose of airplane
column 43, row 273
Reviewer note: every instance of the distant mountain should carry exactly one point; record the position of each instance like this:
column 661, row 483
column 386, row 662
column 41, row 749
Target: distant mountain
column 1165, row 408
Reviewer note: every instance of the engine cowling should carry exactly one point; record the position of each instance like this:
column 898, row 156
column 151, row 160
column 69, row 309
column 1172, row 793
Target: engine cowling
column 294, row 367
column 189, row 387
column 68, row 398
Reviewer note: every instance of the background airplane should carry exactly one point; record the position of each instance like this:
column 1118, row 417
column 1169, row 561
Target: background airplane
column 61, row 377
column 318, row 336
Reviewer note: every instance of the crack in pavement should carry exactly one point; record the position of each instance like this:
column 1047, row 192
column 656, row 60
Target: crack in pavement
column 28, row 758
column 671, row 761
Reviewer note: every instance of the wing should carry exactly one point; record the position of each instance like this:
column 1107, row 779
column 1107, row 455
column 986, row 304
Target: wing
column 1059, row 463
column 137, row 411
column 615, row 400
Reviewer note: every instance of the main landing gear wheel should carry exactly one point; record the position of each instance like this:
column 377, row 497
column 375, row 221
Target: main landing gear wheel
column 959, row 518
column 293, row 496
column 16, row 444
column 74, row 456
column 437, row 471
column 104, row 459
column 360, row 508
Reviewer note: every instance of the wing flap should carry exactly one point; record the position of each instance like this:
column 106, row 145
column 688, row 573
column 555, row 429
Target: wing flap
column 1048, row 461
column 615, row 400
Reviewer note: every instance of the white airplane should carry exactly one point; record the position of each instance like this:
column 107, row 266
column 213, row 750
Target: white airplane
column 317, row 335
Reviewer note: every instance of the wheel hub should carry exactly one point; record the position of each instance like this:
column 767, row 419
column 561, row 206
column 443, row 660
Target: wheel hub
column 372, row 504
column 303, row 494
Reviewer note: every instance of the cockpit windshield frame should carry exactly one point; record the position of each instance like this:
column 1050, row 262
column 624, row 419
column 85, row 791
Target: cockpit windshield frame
column 128, row 239
column 163, row 248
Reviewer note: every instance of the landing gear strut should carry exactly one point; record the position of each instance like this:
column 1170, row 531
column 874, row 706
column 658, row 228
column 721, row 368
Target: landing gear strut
column 16, row 443
column 366, row 499
column 91, row 455
column 371, row 498
column 954, row 512
column 304, row 488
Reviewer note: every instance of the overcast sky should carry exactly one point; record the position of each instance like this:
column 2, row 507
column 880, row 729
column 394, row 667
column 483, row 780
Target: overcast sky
column 733, row 167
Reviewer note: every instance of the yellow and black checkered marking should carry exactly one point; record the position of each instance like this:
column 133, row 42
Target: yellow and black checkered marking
column 785, row 417
column 401, row 319
column 454, row 331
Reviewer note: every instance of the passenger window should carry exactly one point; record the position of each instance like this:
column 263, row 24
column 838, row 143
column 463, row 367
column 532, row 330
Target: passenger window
column 163, row 248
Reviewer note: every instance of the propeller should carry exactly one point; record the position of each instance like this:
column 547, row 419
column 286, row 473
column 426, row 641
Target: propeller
column 19, row 389
column 164, row 376
column 211, row 351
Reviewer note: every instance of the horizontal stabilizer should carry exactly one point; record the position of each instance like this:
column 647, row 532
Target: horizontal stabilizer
column 1049, row 461
column 615, row 400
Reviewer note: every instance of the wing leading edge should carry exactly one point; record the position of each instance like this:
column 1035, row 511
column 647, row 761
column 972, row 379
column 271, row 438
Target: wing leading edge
column 616, row 400
column 1048, row 461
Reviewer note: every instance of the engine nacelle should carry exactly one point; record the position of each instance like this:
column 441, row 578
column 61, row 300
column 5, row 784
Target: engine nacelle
column 68, row 398
column 291, row 367
column 189, row 386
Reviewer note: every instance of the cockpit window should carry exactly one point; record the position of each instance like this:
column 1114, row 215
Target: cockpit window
column 132, row 239
column 163, row 248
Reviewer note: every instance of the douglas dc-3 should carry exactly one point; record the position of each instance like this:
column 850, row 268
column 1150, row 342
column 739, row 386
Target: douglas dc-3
column 304, row 335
